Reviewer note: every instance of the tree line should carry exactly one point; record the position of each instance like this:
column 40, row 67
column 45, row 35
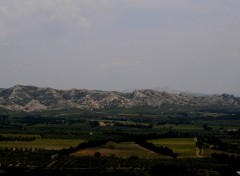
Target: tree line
column 16, row 138
column 161, row 150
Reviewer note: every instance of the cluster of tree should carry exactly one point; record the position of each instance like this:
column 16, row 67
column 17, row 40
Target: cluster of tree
column 216, row 143
column 234, row 133
column 124, row 136
column 147, row 110
column 133, row 125
column 220, row 117
column 4, row 119
column 38, row 119
column 206, row 127
column 161, row 150
column 94, row 123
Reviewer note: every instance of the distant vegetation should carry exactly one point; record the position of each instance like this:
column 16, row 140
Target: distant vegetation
column 134, row 141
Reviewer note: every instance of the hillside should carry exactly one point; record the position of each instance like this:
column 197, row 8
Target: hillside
column 30, row 98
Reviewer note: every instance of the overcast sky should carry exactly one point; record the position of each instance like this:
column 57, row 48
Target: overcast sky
column 187, row 45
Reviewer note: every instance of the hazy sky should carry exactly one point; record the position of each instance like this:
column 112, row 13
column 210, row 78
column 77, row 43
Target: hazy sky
column 191, row 45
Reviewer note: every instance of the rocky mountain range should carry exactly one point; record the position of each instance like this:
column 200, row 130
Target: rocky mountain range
column 30, row 98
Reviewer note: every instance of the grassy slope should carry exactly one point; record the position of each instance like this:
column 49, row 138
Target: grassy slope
column 122, row 150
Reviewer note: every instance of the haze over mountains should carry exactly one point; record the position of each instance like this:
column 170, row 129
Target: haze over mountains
column 30, row 98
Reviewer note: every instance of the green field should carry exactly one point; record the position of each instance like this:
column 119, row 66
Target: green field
column 121, row 150
column 185, row 147
column 48, row 144
column 182, row 127
column 22, row 135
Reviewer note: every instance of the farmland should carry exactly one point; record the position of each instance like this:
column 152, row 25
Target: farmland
column 121, row 150
column 47, row 144
column 140, row 144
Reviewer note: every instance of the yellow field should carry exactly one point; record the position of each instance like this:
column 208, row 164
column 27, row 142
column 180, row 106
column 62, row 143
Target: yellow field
column 122, row 150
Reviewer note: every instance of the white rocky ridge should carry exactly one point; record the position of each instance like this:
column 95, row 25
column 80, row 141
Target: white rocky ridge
column 34, row 105
column 30, row 98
